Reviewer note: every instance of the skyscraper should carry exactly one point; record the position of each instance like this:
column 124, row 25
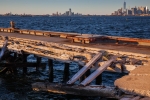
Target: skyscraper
column 124, row 6
column 70, row 13
column 146, row 9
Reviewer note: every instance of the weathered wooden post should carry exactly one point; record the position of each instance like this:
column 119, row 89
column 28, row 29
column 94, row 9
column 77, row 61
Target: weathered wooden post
column 66, row 72
column 38, row 61
column 14, row 66
column 3, row 49
column 15, row 55
column 12, row 24
column 50, row 64
column 99, row 80
column 83, row 41
column 24, row 57
column 72, row 40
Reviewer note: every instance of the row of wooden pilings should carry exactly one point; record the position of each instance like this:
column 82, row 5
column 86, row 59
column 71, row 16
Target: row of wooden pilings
column 24, row 56
column 66, row 72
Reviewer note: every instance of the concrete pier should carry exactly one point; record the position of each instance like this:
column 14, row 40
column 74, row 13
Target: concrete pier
column 137, row 82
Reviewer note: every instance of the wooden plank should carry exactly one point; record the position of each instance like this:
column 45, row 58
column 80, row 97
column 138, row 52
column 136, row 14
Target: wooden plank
column 3, row 71
column 96, row 90
column 97, row 72
column 3, row 48
column 85, row 68
column 17, row 64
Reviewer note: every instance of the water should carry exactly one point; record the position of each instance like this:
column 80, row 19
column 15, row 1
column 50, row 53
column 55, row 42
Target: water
column 138, row 27
column 19, row 87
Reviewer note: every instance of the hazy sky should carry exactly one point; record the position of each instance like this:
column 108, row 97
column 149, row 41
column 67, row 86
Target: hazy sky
column 98, row 7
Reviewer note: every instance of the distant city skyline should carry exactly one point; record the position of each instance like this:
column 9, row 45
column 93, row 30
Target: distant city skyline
column 92, row 7
column 133, row 11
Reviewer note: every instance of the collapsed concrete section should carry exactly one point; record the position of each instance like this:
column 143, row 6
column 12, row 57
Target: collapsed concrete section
column 137, row 82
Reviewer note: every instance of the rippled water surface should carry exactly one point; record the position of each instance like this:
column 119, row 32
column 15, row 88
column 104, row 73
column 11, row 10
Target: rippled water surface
column 119, row 26
column 19, row 87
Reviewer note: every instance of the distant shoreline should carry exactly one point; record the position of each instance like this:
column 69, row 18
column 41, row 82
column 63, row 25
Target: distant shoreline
column 74, row 16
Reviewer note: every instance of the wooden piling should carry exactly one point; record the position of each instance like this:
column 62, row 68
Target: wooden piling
column 66, row 72
column 83, row 41
column 14, row 66
column 38, row 61
column 24, row 57
column 99, row 80
column 12, row 24
column 15, row 56
column 50, row 64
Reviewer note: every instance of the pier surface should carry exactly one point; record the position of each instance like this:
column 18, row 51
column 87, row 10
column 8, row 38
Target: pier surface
column 102, row 46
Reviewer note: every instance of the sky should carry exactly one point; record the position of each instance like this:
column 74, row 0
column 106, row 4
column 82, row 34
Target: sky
column 98, row 7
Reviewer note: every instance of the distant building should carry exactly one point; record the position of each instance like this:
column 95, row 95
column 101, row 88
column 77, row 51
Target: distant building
column 142, row 11
column 70, row 13
column 134, row 11
column 146, row 10
column 67, row 13
column 130, row 12
column 124, row 6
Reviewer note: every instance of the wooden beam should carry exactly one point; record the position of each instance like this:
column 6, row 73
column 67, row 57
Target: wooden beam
column 66, row 72
column 97, row 72
column 17, row 64
column 97, row 90
column 3, row 71
column 85, row 68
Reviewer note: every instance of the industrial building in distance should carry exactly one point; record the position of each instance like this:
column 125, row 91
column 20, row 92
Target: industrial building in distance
column 135, row 11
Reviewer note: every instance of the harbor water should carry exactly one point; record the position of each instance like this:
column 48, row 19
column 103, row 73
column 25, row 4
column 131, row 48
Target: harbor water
column 19, row 87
